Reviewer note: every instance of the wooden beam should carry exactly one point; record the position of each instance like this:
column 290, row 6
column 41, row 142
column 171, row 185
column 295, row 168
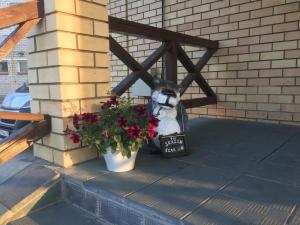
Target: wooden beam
column 156, row 55
column 14, row 38
column 126, row 58
column 22, row 139
column 189, row 66
column 205, row 58
column 171, row 63
column 21, row 116
column 126, row 83
column 139, row 70
column 197, row 102
column 129, row 80
column 186, row 82
column 185, row 60
column 123, row 55
column 194, row 71
column 204, row 85
column 117, row 25
column 20, row 13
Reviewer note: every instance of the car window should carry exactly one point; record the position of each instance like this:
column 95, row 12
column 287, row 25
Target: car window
column 23, row 89
column 3, row 68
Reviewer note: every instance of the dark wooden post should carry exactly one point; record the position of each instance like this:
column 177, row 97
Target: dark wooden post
column 171, row 63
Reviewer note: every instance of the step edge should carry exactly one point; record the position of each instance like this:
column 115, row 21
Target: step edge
column 17, row 170
column 17, row 213
column 41, row 190
column 85, row 213
column 121, row 201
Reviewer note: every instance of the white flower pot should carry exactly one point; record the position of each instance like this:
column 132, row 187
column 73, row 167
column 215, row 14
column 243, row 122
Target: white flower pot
column 116, row 162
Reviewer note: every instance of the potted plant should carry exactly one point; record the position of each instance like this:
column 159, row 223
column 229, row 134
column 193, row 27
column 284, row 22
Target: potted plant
column 118, row 131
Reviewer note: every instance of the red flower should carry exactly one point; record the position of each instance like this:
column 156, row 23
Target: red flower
column 104, row 134
column 94, row 118
column 140, row 110
column 106, row 105
column 90, row 117
column 122, row 122
column 151, row 131
column 75, row 138
column 151, row 126
column 153, row 120
column 134, row 132
column 113, row 100
column 76, row 119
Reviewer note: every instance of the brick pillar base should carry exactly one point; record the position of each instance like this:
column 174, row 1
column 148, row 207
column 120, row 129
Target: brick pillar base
column 69, row 72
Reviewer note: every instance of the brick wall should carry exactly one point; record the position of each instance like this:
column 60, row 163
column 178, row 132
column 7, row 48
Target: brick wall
column 12, row 80
column 256, row 71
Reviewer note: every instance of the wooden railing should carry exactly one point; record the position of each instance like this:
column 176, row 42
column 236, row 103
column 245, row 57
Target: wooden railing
column 38, row 127
column 26, row 16
column 171, row 50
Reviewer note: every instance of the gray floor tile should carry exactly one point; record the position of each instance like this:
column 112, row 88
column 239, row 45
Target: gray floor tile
column 207, row 127
column 286, row 158
column 15, row 165
column 85, row 171
column 297, row 210
column 3, row 209
column 295, row 217
column 225, row 210
column 284, row 174
column 255, row 150
column 248, row 201
column 23, row 184
column 222, row 161
column 295, row 220
column 180, row 193
column 293, row 146
column 145, row 173
column 10, row 169
column 244, row 139
column 259, row 191
column 288, row 154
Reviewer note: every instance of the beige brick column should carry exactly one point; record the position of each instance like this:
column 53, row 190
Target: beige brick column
column 69, row 72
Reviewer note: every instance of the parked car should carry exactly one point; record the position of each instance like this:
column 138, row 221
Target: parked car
column 16, row 101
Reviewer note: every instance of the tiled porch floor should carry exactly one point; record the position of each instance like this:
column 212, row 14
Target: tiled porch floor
column 237, row 173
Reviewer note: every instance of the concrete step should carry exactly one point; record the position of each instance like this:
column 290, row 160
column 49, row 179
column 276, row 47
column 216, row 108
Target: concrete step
column 59, row 214
column 33, row 187
column 15, row 165
column 113, row 208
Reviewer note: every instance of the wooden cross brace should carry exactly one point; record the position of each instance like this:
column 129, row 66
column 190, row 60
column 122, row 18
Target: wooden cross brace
column 26, row 16
column 172, row 51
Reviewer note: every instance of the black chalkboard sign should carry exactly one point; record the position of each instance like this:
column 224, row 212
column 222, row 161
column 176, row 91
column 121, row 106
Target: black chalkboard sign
column 173, row 145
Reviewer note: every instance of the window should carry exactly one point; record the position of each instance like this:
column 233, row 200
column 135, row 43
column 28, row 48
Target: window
column 22, row 67
column 3, row 68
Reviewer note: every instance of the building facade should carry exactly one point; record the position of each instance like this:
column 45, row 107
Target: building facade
column 13, row 69
column 255, row 72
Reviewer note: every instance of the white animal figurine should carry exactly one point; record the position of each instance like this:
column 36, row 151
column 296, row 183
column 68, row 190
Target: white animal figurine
column 165, row 102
